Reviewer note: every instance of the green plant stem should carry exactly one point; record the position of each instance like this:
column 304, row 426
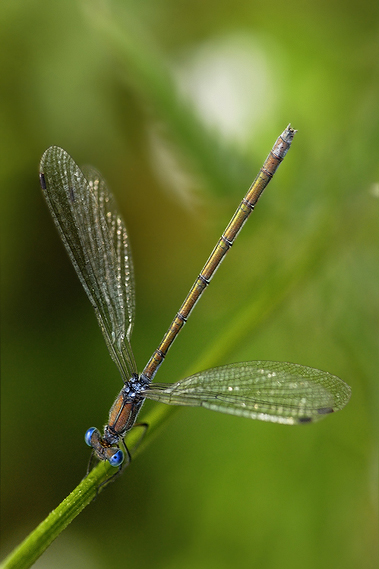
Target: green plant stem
column 24, row 555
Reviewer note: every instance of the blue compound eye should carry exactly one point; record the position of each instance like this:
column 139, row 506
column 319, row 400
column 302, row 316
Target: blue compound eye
column 88, row 436
column 117, row 458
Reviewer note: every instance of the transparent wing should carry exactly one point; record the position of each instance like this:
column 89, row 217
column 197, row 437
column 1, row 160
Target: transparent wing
column 95, row 237
column 270, row 391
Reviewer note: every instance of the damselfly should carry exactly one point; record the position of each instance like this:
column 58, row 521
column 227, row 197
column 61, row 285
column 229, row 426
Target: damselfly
column 96, row 240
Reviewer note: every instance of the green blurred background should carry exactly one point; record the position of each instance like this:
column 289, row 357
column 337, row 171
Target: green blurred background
column 177, row 103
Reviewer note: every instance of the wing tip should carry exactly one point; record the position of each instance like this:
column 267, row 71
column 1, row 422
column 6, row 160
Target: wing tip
column 47, row 154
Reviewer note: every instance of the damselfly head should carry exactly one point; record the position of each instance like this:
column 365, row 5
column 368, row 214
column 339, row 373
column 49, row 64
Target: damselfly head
column 102, row 449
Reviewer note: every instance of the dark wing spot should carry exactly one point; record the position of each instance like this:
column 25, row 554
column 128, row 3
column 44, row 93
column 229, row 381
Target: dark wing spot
column 72, row 194
column 304, row 420
column 42, row 181
column 324, row 410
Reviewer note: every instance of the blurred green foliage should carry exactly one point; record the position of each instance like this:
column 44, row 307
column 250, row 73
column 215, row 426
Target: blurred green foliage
column 105, row 81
